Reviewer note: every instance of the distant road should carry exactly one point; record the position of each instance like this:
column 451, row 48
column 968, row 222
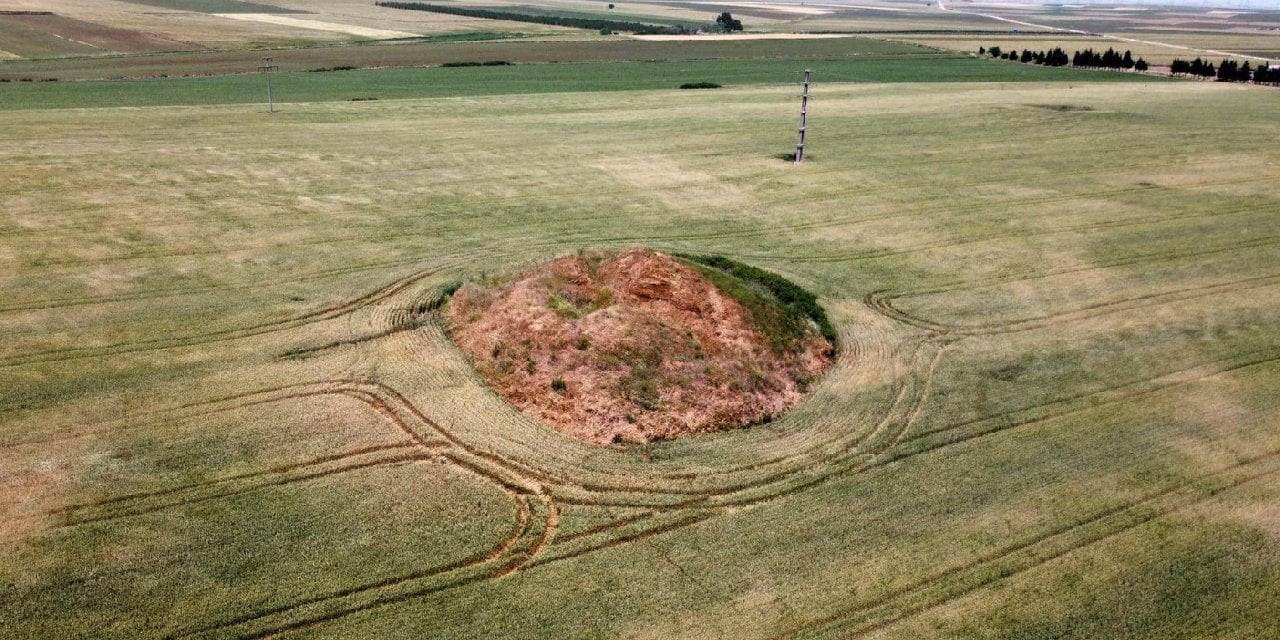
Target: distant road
column 942, row 6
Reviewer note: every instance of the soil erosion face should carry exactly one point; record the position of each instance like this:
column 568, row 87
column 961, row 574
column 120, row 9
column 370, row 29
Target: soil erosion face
column 636, row 346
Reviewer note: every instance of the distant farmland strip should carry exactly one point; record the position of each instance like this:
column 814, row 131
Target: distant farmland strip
column 26, row 41
column 595, row 24
column 76, row 36
column 429, row 51
column 527, row 78
column 215, row 6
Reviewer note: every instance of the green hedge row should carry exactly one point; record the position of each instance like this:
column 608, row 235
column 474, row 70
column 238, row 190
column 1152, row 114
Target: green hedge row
column 559, row 21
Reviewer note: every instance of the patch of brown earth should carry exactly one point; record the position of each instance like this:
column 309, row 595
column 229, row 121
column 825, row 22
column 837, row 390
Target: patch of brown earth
column 631, row 347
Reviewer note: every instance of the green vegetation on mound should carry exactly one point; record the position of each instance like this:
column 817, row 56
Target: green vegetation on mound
column 783, row 310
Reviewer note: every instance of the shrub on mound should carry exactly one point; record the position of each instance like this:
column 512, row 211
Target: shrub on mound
column 638, row 346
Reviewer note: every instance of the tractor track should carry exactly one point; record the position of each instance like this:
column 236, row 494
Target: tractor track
column 125, row 511
column 71, row 509
column 876, row 298
column 936, row 590
column 324, row 313
column 539, row 492
column 1081, row 403
column 884, row 305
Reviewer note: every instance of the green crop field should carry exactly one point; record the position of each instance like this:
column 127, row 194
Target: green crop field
column 539, row 78
column 230, row 409
column 419, row 53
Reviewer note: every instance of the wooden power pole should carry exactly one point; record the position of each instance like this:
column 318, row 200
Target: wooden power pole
column 804, row 116
column 266, row 68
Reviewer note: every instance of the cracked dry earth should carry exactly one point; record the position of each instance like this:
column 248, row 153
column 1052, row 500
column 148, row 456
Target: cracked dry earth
column 630, row 347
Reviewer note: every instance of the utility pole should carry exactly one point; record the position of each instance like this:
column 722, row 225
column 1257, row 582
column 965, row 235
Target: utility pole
column 804, row 115
column 266, row 68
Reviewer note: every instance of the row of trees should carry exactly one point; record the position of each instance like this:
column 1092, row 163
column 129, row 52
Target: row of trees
column 1056, row 57
column 1267, row 74
column 1195, row 67
column 1227, row 71
column 1110, row 59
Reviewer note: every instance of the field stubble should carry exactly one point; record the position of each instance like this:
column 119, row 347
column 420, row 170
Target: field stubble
column 1057, row 353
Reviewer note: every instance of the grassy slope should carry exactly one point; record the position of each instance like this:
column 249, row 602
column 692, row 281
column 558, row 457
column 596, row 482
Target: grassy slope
column 1072, row 478
column 584, row 77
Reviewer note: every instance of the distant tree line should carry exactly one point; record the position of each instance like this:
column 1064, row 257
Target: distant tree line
column 1197, row 67
column 1110, row 59
column 559, row 21
column 1056, row 57
column 1227, row 71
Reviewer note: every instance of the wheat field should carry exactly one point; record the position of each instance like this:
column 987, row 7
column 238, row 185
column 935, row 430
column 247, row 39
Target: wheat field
column 230, row 410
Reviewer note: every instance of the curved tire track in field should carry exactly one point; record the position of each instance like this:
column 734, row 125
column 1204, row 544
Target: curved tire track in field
column 882, row 302
column 516, row 550
column 329, row 606
column 873, row 298
column 324, row 313
column 1014, row 559
column 538, row 492
column 667, row 520
column 529, row 547
column 543, row 549
column 966, row 430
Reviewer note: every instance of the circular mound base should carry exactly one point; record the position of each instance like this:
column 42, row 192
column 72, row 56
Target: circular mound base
column 638, row 346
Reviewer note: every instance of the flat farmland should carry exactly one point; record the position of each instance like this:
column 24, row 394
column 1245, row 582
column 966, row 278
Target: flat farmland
column 213, row 24
column 411, row 54
column 381, row 84
column 231, row 409
column 43, row 35
column 19, row 37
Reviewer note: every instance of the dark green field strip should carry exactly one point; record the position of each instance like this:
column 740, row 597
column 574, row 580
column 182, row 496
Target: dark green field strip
column 738, row 10
column 547, row 78
column 533, row 10
column 432, row 51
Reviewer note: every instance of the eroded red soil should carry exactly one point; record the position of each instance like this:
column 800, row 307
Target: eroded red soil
column 631, row 347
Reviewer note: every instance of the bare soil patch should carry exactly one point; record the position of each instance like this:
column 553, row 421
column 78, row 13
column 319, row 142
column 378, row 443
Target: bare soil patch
column 100, row 37
column 637, row 346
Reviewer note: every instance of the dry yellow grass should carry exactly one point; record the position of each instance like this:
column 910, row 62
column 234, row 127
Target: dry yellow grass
column 230, row 408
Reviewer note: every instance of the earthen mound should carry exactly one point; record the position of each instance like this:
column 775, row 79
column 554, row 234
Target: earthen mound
column 639, row 346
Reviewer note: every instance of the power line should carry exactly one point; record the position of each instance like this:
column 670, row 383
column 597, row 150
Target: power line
column 266, row 68
column 804, row 115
